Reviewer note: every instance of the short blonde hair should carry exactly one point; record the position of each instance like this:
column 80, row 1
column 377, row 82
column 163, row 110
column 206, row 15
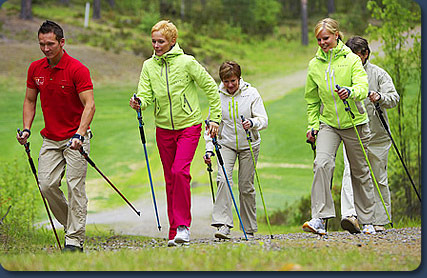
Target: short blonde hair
column 166, row 28
column 330, row 25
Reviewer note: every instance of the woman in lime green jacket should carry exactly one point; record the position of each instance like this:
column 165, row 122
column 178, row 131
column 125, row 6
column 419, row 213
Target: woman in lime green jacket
column 171, row 80
column 335, row 64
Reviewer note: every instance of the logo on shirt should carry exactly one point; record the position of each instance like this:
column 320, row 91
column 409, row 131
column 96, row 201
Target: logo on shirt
column 39, row 80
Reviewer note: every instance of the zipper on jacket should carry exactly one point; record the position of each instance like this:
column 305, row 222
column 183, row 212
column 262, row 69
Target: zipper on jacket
column 186, row 101
column 331, row 85
column 169, row 95
column 235, row 124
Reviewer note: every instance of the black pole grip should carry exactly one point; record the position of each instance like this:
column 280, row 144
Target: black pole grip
column 141, row 132
column 90, row 161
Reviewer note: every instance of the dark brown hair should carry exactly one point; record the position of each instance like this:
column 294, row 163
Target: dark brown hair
column 358, row 44
column 229, row 69
column 51, row 27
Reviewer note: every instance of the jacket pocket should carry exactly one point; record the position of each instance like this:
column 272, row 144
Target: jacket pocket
column 255, row 135
column 360, row 107
column 185, row 104
column 156, row 107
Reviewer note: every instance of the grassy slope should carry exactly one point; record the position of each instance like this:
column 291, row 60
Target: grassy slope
column 116, row 147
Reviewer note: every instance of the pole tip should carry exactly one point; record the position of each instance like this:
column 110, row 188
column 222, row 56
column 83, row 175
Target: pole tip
column 160, row 228
column 138, row 212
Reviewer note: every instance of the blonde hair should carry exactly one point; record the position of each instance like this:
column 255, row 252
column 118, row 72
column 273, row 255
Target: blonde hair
column 330, row 25
column 166, row 28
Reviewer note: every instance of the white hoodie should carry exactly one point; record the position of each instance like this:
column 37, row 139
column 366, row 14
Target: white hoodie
column 246, row 101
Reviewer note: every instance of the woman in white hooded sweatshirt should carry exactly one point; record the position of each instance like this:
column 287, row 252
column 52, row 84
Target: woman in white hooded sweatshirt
column 237, row 98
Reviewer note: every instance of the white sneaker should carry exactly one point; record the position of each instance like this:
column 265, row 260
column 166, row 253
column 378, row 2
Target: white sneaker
column 223, row 232
column 379, row 228
column 182, row 235
column 171, row 243
column 368, row 229
column 315, row 225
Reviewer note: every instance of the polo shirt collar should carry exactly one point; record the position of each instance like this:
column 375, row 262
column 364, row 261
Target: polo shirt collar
column 61, row 64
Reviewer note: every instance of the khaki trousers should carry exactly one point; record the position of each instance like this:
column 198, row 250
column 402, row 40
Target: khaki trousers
column 222, row 210
column 378, row 157
column 55, row 160
column 328, row 141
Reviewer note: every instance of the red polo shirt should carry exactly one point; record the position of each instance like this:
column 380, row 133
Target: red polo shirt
column 59, row 89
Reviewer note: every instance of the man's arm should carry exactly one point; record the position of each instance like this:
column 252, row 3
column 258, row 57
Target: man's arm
column 29, row 111
column 87, row 99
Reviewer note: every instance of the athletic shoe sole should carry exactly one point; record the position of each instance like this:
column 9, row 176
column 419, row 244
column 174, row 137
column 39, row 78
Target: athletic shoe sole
column 181, row 240
column 307, row 228
column 348, row 225
column 221, row 235
column 172, row 243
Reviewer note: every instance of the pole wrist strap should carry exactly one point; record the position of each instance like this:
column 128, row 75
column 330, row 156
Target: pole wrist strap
column 78, row 136
column 27, row 130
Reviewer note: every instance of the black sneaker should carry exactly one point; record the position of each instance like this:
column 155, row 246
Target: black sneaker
column 72, row 248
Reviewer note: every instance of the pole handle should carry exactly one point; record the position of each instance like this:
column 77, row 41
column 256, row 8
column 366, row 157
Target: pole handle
column 248, row 133
column 347, row 106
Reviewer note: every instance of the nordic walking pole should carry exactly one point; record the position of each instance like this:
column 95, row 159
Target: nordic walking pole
column 249, row 138
column 210, row 180
column 90, row 161
column 384, row 123
column 141, row 132
column 33, row 169
column 221, row 162
column 348, row 109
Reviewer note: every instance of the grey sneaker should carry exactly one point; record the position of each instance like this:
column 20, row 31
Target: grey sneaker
column 315, row 225
column 182, row 235
column 223, row 232
column 350, row 224
column 368, row 229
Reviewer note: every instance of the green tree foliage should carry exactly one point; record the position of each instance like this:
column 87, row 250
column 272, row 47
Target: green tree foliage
column 401, row 44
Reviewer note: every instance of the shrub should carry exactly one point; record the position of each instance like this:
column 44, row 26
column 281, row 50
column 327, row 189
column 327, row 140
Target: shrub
column 19, row 193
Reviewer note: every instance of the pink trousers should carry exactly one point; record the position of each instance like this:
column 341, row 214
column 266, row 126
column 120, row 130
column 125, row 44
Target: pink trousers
column 176, row 149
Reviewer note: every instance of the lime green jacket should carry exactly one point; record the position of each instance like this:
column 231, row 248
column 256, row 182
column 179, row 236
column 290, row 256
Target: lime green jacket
column 172, row 82
column 339, row 66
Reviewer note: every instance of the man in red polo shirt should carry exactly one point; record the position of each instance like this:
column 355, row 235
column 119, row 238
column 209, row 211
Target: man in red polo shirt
column 66, row 95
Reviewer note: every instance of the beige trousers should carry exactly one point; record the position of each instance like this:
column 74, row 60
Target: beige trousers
column 328, row 141
column 222, row 210
column 378, row 157
column 55, row 160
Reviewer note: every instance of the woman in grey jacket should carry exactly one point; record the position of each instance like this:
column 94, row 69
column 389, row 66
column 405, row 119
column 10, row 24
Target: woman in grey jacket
column 237, row 98
column 383, row 93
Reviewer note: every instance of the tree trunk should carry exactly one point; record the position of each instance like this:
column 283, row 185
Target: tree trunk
column 331, row 7
column 96, row 9
column 112, row 3
column 182, row 14
column 164, row 7
column 304, row 24
column 26, row 12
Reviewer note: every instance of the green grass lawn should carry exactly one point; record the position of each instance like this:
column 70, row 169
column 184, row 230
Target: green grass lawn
column 117, row 150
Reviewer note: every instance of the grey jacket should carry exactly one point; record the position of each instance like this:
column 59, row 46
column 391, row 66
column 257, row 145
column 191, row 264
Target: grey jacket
column 379, row 81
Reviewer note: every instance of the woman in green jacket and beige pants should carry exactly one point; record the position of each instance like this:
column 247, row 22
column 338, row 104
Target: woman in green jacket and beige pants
column 335, row 64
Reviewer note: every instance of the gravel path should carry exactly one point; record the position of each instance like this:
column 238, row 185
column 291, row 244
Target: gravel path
column 409, row 238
